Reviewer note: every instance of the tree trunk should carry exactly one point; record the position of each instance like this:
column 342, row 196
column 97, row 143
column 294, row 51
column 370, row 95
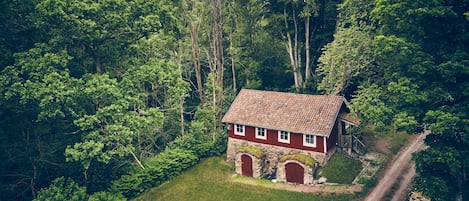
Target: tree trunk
column 181, row 99
column 194, row 33
column 307, row 47
column 288, row 45
column 97, row 63
column 460, row 176
column 297, row 53
column 217, row 11
column 233, row 71
column 293, row 50
column 181, row 110
column 137, row 160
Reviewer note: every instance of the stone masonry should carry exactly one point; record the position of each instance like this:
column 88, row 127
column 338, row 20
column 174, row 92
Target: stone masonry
column 308, row 174
column 256, row 165
column 269, row 164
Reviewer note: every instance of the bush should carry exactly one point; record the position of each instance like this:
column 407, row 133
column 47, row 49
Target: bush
column 405, row 122
column 182, row 153
column 199, row 145
column 191, row 142
column 158, row 169
column 106, row 196
column 62, row 189
column 219, row 146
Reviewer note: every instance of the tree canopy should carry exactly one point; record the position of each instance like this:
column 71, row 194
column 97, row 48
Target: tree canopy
column 93, row 91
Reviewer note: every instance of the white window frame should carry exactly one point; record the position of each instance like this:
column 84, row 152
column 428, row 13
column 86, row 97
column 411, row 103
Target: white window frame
column 306, row 144
column 243, row 129
column 283, row 140
column 260, row 136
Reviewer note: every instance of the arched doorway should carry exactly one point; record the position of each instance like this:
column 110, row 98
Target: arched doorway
column 246, row 165
column 294, row 173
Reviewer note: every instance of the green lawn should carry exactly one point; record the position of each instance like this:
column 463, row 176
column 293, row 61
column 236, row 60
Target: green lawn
column 341, row 169
column 209, row 180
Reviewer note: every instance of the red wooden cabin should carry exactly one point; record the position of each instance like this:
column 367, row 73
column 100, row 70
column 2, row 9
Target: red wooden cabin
column 280, row 124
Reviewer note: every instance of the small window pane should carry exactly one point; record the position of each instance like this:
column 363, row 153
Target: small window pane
column 309, row 140
column 261, row 133
column 239, row 129
column 284, row 135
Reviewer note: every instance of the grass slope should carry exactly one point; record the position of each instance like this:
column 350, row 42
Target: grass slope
column 341, row 169
column 209, row 180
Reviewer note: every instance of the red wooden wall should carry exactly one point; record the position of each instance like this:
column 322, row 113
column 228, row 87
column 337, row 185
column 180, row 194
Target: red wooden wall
column 296, row 140
column 333, row 138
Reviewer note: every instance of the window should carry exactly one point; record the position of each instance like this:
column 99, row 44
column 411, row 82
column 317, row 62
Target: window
column 284, row 136
column 239, row 129
column 309, row 140
column 261, row 133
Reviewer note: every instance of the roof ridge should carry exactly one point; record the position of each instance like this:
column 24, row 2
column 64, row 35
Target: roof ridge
column 291, row 93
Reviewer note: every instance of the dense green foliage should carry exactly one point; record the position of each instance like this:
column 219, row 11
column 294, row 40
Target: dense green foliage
column 160, row 168
column 416, row 77
column 430, row 43
column 66, row 189
column 62, row 189
column 91, row 90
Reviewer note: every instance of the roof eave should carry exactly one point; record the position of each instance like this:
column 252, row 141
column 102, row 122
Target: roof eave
column 277, row 129
column 342, row 100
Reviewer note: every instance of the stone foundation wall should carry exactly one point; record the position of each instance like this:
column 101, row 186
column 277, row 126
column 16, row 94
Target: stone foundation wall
column 256, row 165
column 328, row 156
column 308, row 172
column 270, row 162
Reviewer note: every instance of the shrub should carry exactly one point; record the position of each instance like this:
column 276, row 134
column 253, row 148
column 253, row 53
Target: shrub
column 182, row 153
column 219, row 146
column 191, row 142
column 405, row 122
column 201, row 146
column 62, row 189
column 106, row 196
column 159, row 169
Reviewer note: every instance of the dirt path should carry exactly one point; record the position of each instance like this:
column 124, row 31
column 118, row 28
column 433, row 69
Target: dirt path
column 405, row 184
column 400, row 168
column 299, row 188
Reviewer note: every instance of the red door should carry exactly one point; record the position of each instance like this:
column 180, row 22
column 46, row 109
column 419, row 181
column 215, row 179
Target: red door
column 294, row 173
column 246, row 165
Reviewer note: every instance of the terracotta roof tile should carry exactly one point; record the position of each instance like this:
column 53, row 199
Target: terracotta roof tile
column 298, row 113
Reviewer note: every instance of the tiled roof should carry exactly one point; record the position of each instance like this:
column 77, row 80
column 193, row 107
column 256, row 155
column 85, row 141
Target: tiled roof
column 298, row 113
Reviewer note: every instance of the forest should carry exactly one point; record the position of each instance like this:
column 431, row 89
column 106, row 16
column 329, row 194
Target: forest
column 101, row 100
